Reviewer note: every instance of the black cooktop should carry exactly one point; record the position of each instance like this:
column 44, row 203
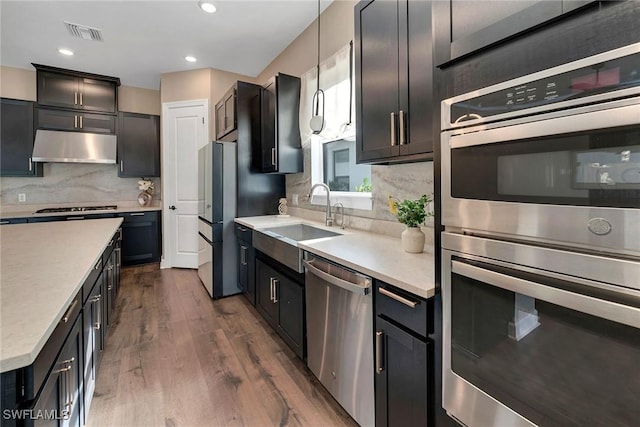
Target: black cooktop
column 78, row 209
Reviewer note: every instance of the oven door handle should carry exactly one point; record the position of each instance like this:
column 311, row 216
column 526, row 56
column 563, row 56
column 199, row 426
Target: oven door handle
column 613, row 311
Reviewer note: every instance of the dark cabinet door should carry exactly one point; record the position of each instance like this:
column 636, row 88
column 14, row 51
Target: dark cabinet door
column 93, row 333
column 466, row 26
column 97, row 95
column 226, row 114
column 268, row 161
column 220, row 120
column 58, row 90
column 140, row 237
column 377, row 85
column 62, row 391
column 290, row 299
column 415, row 121
column 394, row 81
column 280, row 147
column 246, row 270
column 16, row 139
column 75, row 121
column 265, row 276
column 138, row 145
column 402, row 382
column 69, row 91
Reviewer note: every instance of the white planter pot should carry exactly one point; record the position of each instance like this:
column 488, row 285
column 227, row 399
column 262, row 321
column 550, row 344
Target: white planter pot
column 413, row 240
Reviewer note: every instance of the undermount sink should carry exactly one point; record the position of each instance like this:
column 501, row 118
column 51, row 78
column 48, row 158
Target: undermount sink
column 281, row 243
column 299, row 232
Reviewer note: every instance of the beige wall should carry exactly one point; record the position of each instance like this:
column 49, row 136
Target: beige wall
column 336, row 30
column 139, row 100
column 205, row 83
column 17, row 83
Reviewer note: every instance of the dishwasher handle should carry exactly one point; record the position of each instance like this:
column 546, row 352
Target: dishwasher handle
column 362, row 288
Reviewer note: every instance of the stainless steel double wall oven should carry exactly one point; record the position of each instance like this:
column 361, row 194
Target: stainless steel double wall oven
column 541, row 249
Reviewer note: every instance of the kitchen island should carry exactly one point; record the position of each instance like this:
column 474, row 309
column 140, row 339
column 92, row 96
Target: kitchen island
column 43, row 266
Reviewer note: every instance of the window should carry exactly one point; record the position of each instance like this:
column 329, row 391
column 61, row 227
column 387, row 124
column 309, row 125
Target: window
column 333, row 150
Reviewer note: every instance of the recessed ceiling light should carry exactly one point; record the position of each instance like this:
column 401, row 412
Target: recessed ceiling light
column 64, row 51
column 190, row 58
column 207, row 6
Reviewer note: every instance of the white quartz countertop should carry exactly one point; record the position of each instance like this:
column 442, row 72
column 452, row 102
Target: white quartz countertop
column 376, row 255
column 43, row 266
column 8, row 214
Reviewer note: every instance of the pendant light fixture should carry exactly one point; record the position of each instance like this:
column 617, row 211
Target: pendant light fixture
column 317, row 119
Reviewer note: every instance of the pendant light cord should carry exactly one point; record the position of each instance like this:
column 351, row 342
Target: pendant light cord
column 318, row 64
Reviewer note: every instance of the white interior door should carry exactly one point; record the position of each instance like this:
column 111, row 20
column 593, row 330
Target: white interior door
column 185, row 130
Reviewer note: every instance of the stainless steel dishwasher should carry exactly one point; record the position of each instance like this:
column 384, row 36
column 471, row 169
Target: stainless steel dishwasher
column 339, row 310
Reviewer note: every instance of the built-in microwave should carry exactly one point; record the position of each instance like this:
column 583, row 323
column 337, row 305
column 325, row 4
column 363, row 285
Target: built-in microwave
column 553, row 157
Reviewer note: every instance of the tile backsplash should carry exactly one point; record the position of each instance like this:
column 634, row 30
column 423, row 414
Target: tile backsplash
column 72, row 183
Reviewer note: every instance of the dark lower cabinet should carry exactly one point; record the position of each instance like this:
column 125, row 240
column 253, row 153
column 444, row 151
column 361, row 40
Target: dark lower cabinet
column 16, row 138
column 402, row 386
column 94, row 340
column 404, row 374
column 141, row 239
column 280, row 300
column 246, row 263
column 138, row 145
column 59, row 402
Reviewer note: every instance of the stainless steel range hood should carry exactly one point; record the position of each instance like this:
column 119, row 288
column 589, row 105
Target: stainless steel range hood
column 73, row 147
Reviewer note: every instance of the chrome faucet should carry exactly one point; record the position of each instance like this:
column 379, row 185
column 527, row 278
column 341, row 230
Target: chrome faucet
column 328, row 218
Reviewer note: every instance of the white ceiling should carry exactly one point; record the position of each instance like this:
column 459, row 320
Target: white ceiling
column 143, row 39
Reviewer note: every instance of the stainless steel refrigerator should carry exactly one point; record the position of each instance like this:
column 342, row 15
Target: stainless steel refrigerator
column 227, row 188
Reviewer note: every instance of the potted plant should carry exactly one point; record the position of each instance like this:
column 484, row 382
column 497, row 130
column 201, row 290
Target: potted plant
column 411, row 213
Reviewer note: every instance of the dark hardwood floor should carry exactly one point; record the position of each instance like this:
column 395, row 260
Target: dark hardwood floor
column 174, row 357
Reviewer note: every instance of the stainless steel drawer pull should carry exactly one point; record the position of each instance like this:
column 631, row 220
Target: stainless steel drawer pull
column 67, row 315
column 393, row 129
column 75, row 98
column 81, row 98
column 81, row 126
column 273, row 156
column 75, row 122
column 137, row 214
column 403, row 129
column 398, row 298
column 73, row 218
column 275, row 290
column 379, row 359
column 121, row 165
column 5, row 222
column 30, row 164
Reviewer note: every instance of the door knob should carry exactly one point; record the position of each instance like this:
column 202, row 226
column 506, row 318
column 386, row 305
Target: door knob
column 173, row 208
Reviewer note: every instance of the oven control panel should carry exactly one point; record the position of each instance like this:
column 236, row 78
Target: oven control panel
column 593, row 79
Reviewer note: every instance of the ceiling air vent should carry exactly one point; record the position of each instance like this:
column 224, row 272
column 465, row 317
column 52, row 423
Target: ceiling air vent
column 84, row 32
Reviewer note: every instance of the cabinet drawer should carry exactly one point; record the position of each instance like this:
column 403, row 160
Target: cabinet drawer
column 404, row 308
column 43, row 363
column 244, row 233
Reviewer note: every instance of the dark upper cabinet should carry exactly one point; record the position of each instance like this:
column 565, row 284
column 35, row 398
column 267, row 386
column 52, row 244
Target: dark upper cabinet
column 138, row 145
column 280, row 147
column 394, row 95
column 75, row 121
column 466, row 26
column 76, row 90
column 16, row 139
column 226, row 114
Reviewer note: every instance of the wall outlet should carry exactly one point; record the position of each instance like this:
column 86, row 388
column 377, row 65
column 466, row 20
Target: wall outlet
column 294, row 200
column 22, row 197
